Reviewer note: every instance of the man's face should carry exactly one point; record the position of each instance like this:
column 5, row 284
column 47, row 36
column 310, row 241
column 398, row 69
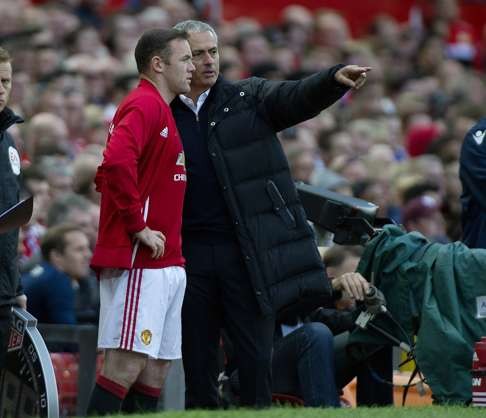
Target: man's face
column 74, row 261
column 179, row 71
column 205, row 56
column 84, row 220
column 59, row 183
column 5, row 83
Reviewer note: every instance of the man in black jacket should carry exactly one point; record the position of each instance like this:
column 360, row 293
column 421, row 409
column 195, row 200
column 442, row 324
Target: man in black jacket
column 249, row 250
column 10, row 293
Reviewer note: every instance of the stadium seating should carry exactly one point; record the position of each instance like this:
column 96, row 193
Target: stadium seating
column 66, row 368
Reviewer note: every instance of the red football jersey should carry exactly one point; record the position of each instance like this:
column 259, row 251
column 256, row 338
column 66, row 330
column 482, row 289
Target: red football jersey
column 142, row 182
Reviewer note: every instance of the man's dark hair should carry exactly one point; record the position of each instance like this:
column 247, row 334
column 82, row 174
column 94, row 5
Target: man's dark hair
column 324, row 138
column 419, row 189
column 156, row 42
column 4, row 55
column 55, row 239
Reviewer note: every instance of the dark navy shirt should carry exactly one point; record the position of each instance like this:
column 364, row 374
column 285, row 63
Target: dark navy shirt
column 50, row 295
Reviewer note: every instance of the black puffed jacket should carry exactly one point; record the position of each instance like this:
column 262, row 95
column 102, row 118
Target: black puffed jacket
column 277, row 243
column 9, row 196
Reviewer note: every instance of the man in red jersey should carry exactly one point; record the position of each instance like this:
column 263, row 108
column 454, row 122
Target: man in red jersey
column 138, row 252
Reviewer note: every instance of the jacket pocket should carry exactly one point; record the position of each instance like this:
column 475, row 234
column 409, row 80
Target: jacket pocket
column 279, row 205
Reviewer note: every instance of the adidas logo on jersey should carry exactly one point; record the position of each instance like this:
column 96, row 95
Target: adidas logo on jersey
column 479, row 136
column 164, row 132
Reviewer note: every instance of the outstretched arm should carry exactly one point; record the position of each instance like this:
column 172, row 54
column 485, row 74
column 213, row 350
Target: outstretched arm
column 287, row 103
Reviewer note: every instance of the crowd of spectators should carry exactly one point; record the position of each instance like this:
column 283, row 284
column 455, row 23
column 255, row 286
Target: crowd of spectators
column 395, row 142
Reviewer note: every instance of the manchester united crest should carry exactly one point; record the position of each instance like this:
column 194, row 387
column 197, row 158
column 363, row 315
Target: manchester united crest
column 146, row 336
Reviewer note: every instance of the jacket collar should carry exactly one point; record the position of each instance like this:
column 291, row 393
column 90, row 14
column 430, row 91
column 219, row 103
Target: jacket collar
column 222, row 91
column 8, row 118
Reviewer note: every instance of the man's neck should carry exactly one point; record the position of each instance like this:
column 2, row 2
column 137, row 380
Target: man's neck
column 162, row 88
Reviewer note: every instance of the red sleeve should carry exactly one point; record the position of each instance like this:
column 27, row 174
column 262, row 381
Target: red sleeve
column 120, row 164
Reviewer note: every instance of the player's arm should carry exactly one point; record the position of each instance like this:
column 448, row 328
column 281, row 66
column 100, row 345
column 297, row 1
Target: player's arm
column 120, row 170
column 287, row 103
column 120, row 166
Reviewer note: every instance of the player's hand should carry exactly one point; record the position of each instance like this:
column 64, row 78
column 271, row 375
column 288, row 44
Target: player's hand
column 353, row 76
column 155, row 240
column 352, row 284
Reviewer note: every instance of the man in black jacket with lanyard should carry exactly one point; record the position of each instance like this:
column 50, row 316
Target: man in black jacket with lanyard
column 249, row 250
column 10, row 293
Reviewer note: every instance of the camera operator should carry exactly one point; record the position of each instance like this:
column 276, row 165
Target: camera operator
column 310, row 357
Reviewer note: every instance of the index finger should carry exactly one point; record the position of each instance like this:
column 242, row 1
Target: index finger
column 364, row 69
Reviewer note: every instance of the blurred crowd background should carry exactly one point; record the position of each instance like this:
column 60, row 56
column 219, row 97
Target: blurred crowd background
column 395, row 142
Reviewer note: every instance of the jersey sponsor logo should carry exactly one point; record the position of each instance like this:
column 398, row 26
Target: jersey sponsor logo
column 146, row 336
column 181, row 159
column 14, row 159
column 478, row 136
column 164, row 132
column 180, row 177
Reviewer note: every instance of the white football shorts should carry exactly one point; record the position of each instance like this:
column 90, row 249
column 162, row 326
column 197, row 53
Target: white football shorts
column 140, row 310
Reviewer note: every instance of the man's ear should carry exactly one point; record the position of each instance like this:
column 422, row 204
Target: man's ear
column 157, row 64
column 56, row 258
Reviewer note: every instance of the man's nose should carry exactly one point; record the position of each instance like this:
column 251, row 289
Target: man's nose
column 208, row 59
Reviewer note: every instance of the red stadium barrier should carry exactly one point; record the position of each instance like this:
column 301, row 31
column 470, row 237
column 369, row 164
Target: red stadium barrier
column 66, row 367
